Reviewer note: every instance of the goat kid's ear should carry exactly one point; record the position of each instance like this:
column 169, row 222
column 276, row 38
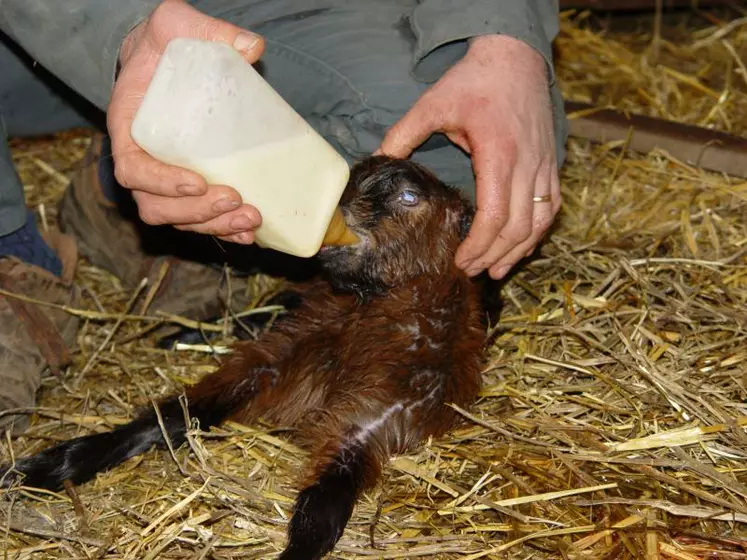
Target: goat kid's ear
column 467, row 215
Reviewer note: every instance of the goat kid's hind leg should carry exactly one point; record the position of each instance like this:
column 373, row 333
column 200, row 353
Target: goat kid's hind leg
column 348, row 455
column 324, row 506
column 78, row 460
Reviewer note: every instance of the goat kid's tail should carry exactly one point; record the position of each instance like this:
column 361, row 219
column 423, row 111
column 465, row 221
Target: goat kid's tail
column 79, row 460
column 323, row 509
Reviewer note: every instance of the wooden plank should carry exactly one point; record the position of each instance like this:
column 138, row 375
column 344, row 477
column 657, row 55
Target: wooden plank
column 635, row 5
column 710, row 149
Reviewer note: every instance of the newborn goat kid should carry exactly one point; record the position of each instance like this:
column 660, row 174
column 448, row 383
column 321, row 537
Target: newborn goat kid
column 364, row 368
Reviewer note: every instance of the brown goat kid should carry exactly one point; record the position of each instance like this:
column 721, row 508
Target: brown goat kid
column 363, row 368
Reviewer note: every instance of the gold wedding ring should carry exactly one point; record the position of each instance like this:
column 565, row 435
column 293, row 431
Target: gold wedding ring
column 546, row 198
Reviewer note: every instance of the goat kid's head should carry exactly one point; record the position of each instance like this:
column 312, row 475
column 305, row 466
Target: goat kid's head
column 409, row 224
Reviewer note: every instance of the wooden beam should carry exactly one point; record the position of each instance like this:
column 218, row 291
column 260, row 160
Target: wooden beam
column 635, row 5
column 694, row 145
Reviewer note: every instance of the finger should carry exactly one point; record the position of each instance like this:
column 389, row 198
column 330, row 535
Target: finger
column 242, row 220
column 493, row 161
column 176, row 18
column 544, row 215
column 133, row 168
column 243, row 238
column 519, row 226
column 414, row 128
column 160, row 210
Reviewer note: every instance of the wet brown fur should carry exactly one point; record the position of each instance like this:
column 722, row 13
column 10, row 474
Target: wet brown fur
column 345, row 357
column 364, row 368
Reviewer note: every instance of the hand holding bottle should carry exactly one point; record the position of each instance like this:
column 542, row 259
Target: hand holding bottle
column 166, row 194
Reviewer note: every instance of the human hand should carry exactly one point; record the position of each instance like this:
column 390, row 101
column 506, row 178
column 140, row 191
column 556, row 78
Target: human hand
column 165, row 194
column 495, row 105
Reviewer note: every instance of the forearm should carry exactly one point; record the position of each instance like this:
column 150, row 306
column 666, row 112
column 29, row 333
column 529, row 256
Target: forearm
column 441, row 26
column 76, row 40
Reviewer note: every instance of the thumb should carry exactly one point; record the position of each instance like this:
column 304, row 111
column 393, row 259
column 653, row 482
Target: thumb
column 408, row 133
column 179, row 19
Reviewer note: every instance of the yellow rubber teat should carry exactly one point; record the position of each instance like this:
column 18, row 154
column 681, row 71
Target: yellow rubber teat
column 338, row 232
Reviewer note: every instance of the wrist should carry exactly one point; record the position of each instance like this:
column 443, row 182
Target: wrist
column 504, row 49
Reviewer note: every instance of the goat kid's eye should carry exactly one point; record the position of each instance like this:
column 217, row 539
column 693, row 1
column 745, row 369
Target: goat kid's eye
column 408, row 198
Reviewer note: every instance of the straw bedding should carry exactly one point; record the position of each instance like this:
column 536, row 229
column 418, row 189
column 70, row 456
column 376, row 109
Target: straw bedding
column 612, row 422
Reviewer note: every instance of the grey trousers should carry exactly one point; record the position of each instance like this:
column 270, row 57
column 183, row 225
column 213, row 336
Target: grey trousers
column 32, row 103
column 345, row 68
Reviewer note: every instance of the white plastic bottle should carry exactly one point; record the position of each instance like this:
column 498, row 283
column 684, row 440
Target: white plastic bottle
column 210, row 111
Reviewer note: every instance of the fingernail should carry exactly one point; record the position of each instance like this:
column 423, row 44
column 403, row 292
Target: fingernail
column 470, row 269
column 242, row 223
column 245, row 41
column 242, row 237
column 464, row 264
column 189, row 190
column 502, row 271
column 225, row 204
